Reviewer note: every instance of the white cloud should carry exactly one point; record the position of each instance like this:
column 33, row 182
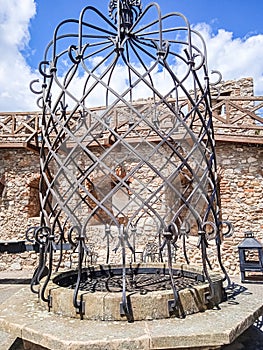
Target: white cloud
column 235, row 58
column 15, row 74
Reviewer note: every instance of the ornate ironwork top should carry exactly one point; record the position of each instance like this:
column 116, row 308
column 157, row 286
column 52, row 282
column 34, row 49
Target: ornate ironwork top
column 128, row 11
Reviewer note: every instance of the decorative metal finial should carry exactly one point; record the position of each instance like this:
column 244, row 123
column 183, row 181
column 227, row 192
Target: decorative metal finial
column 128, row 9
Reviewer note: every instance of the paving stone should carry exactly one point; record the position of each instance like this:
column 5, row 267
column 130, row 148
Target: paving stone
column 22, row 316
column 6, row 340
column 212, row 328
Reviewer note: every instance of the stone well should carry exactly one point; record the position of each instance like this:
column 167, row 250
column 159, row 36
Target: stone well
column 149, row 292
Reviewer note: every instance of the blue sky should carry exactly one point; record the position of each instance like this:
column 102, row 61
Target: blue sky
column 233, row 31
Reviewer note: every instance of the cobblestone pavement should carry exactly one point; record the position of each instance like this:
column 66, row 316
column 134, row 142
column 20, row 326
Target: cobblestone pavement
column 11, row 282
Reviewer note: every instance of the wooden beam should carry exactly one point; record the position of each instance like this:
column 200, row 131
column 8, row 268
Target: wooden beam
column 11, row 145
column 239, row 139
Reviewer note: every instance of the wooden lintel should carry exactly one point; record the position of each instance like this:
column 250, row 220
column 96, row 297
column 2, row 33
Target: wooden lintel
column 19, row 145
column 239, row 98
column 11, row 145
column 240, row 139
column 104, row 142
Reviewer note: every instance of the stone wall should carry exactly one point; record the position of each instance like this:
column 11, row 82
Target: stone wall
column 241, row 168
column 241, row 196
column 241, row 186
column 241, row 87
column 20, row 169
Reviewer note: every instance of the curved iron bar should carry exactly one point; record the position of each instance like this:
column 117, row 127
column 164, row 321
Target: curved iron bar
column 184, row 233
column 204, row 245
column 108, row 235
column 31, row 237
column 32, row 89
column 41, row 235
column 228, row 233
column 125, row 309
column 50, row 248
column 82, row 248
column 216, row 215
column 170, row 235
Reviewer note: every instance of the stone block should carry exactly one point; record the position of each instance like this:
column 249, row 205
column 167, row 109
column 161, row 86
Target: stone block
column 94, row 305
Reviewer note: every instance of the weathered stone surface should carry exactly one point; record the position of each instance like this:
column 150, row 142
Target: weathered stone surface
column 23, row 317
column 151, row 305
column 6, row 340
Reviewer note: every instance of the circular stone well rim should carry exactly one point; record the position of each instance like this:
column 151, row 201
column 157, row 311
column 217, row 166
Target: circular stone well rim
column 105, row 305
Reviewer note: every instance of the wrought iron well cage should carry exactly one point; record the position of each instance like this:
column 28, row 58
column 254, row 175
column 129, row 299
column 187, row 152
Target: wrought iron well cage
column 129, row 180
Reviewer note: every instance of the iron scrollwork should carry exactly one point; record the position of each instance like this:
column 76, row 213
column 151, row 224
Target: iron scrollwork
column 108, row 170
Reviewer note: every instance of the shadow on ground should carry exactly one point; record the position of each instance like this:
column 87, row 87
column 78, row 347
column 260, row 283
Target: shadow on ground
column 24, row 345
column 251, row 339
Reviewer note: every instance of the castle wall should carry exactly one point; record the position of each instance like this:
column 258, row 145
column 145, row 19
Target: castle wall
column 241, row 185
column 240, row 166
column 18, row 202
column 241, row 194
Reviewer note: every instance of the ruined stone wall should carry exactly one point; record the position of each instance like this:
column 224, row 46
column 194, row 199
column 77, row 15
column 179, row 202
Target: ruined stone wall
column 241, row 87
column 18, row 202
column 241, row 168
column 241, row 198
column 241, row 194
